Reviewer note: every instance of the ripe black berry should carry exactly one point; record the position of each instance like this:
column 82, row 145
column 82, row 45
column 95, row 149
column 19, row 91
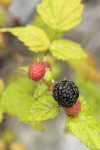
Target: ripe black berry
column 65, row 93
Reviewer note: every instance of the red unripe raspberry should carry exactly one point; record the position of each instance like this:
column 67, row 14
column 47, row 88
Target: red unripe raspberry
column 36, row 71
column 46, row 65
column 73, row 110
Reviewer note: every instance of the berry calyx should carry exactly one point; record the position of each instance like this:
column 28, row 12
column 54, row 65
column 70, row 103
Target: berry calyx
column 46, row 65
column 73, row 110
column 65, row 93
column 36, row 71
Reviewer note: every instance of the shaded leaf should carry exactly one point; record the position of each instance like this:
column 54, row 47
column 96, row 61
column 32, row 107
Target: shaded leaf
column 2, row 41
column 88, row 70
column 17, row 98
column 2, row 18
column 8, row 136
column 2, row 86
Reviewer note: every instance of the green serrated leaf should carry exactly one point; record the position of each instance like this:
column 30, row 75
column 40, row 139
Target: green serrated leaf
column 48, row 76
column 45, row 108
column 56, row 69
column 40, row 90
column 66, row 49
column 61, row 15
column 84, row 105
column 86, row 129
column 23, row 69
column 17, row 98
column 33, row 37
column 49, row 31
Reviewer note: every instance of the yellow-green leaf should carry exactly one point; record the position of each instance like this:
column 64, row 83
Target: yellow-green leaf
column 17, row 98
column 86, row 129
column 23, row 69
column 33, row 37
column 45, row 108
column 61, row 15
column 48, row 76
column 40, row 90
column 66, row 49
column 84, row 105
column 37, row 21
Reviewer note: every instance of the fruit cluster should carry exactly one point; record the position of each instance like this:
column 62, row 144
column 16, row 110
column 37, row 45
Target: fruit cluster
column 66, row 93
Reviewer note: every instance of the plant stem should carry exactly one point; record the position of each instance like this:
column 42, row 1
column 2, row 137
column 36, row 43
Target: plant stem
column 49, row 87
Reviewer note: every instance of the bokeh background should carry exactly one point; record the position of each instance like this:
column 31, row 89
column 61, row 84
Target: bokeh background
column 87, row 34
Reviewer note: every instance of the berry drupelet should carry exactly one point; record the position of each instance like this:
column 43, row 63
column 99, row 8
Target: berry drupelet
column 73, row 110
column 46, row 65
column 36, row 71
column 65, row 93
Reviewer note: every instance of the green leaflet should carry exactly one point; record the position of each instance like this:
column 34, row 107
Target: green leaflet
column 23, row 69
column 33, row 37
column 56, row 69
column 37, row 21
column 17, row 98
column 45, row 108
column 86, row 129
column 61, row 15
column 40, row 91
column 48, row 76
column 66, row 49
column 84, row 105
